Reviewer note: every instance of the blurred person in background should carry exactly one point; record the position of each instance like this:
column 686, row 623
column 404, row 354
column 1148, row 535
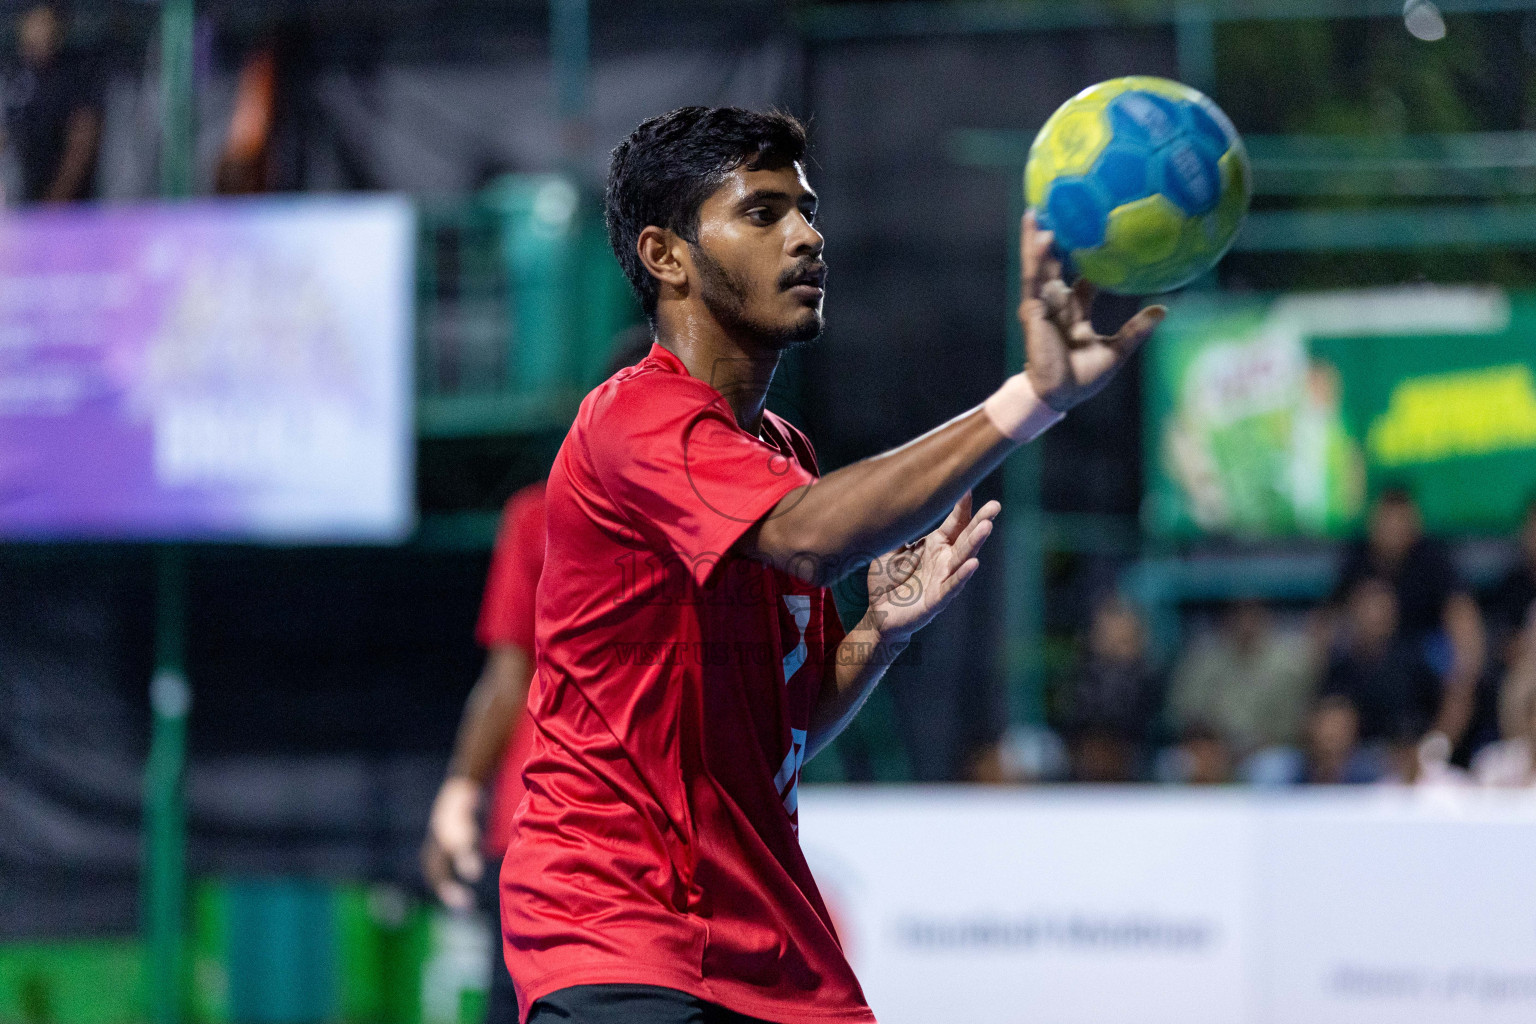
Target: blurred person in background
column 1202, row 757
column 1382, row 673
column 1512, row 760
column 1508, row 604
column 53, row 111
column 1334, row 755
column 1435, row 614
column 1111, row 701
column 495, row 733
column 1245, row 682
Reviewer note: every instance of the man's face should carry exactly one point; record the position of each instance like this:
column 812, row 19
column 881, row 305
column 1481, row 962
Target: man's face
column 1394, row 528
column 758, row 257
column 38, row 36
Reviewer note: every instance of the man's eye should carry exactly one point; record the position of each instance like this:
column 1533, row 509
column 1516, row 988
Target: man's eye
column 760, row 215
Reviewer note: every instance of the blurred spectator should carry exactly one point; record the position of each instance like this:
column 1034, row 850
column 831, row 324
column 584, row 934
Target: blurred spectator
column 1334, row 755
column 1201, row 758
column 244, row 164
column 1509, row 602
column 1512, row 760
column 1382, row 674
column 1331, row 755
column 1245, row 683
column 53, row 111
column 1024, row 753
column 1434, row 613
column 1112, row 699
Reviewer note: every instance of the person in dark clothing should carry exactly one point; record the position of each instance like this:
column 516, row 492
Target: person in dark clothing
column 1436, row 616
column 53, row 112
column 1379, row 672
column 1334, row 755
column 1112, row 700
column 1509, row 602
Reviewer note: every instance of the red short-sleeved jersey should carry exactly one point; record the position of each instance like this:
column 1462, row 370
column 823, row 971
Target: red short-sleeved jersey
column 657, row 843
column 506, row 617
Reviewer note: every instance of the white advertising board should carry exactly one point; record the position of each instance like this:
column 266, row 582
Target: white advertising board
column 1144, row 906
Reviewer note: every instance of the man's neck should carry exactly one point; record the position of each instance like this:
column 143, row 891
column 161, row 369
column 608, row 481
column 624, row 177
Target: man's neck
column 738, row 368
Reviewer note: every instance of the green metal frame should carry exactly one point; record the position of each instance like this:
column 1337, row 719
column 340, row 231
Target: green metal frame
column 165, row 870
column 841, row 22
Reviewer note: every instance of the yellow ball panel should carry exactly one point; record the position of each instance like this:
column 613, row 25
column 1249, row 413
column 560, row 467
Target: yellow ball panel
column 1146, row 231
column 1100, row 94
column 1235, row 190
column 1038, row 175
column 1104, row 269
column 1161, row 87
column 1202, row 236
column 1075, row 141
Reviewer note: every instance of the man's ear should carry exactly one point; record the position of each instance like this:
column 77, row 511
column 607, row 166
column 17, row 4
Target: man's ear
column 661, row 253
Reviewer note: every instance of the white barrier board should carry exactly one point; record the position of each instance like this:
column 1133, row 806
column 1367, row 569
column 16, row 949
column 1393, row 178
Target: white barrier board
column 1145, row 906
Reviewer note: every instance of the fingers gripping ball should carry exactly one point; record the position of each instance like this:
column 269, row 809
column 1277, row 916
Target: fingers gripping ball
column 1144, row 181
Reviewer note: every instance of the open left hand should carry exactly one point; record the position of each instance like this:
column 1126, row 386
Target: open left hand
column 1066, row 359
column 450, row 855
column 912, row 584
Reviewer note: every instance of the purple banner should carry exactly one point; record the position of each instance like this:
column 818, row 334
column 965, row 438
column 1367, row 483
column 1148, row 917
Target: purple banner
column 235, row 370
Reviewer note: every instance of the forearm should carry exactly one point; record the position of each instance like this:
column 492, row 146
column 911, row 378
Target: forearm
column 862, row 659
column 1464, row 627
column 493, row 707
column 821, row 532
column 79, row 156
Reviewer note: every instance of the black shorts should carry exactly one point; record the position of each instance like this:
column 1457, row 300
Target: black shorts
column 630, row 1004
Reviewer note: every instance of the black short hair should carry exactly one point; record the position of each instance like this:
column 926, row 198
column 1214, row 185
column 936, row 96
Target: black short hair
column 668, row 166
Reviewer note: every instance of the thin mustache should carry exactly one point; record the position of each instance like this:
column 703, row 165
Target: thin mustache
column 803, row 270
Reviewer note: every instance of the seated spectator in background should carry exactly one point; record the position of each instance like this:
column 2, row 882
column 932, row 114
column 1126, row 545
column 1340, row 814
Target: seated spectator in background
column 1112, row 699
column 1202, row 757
column 1331, row 755
column 1509, row 602
column 53, row 111
column 1435, row 614
column 1245, row 683
column 1334, row 755
column 1512, row 760
column 1383, row 676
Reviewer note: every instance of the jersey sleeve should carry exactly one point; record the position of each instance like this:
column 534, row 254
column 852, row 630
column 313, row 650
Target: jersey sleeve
column 676, row 463
column 506, row 611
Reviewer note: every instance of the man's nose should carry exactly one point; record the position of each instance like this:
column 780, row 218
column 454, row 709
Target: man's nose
column 804, row 239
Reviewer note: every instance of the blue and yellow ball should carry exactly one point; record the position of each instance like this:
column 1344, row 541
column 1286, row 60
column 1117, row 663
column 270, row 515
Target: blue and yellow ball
column 1144, row 181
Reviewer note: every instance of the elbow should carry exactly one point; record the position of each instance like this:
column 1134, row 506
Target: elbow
column 809, row 551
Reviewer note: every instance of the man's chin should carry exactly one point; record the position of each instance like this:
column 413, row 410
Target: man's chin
column 805, row 330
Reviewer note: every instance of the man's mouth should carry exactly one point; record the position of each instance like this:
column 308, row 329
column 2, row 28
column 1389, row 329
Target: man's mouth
column 811, row 277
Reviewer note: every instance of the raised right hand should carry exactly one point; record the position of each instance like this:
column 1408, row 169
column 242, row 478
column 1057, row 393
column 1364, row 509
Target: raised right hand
column 1067, row 361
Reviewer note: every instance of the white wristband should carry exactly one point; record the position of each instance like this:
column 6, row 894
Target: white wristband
column 1017, row 412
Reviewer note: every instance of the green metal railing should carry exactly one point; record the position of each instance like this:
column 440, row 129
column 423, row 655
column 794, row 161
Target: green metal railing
column 844, row 22
column 518, row 302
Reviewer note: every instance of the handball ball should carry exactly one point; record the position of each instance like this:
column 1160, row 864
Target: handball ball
column 1144, row 181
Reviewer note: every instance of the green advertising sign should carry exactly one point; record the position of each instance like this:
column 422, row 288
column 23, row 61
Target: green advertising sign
column 1277, row 417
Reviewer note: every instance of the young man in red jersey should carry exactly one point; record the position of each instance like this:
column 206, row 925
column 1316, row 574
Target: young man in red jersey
column 689, row 656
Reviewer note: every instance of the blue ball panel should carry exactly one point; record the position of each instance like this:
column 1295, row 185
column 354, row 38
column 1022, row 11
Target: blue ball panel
column 1190, row 178
column 1077, row 214
column 1143, row 119
column 1122, row 175
column 1213, row 139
